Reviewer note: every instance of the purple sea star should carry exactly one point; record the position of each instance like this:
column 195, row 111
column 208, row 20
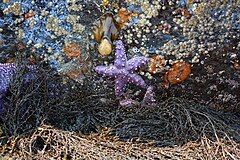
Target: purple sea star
column 123, row 70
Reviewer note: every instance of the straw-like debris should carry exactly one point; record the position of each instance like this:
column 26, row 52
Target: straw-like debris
column 48, row 142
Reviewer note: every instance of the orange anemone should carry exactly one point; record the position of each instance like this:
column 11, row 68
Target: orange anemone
column 178, row 73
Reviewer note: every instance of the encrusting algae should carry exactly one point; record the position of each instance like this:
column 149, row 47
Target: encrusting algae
column 178, row 73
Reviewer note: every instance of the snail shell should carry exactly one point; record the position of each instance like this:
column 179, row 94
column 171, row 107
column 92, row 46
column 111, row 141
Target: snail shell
column 105, row 47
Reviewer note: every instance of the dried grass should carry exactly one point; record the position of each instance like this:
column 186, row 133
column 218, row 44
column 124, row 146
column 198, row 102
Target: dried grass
column 48, row 142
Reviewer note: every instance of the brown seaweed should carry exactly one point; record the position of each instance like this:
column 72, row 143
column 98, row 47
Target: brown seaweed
column 106, row 26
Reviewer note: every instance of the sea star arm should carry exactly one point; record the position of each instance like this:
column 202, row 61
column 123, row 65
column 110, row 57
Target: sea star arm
column 120, row 56
column 137, row 80
column 111, row 71
column 136, row 63
column 149, row 97
column 120, row 84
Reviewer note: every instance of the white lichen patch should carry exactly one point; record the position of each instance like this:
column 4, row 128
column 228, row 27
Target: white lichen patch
column 20, row 33
column 7, row 1
column 73, row 6
column 152, row 8
column 53, row 25
column 77, row 27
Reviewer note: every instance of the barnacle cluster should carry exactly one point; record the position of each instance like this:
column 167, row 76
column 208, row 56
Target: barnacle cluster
column 209, row 28
column 151, row 8
column 49, row 28
column 201, row 28
column 15, row 8
column 168, row 32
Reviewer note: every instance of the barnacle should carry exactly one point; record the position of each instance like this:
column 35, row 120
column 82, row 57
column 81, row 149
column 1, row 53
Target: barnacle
column 178, row 73
column 72, row 49
column 184, row 11
column 164, row 27
column 189, row 3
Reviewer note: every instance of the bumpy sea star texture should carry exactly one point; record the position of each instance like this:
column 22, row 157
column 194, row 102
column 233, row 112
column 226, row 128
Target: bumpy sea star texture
column 123, row 70
column 149, row 97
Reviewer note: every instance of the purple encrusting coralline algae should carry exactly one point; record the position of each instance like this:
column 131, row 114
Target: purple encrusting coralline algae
column 7, row 72
column 123, row 70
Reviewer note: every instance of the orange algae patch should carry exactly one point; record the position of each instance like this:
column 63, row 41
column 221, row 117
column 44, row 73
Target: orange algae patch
column 156, row 64
column 236, row 66
column 124, row 16
column 105, row 3
column 184, row 11
column 72, row 49
column 178, row 73
column 20, row 46
column 76, row 69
